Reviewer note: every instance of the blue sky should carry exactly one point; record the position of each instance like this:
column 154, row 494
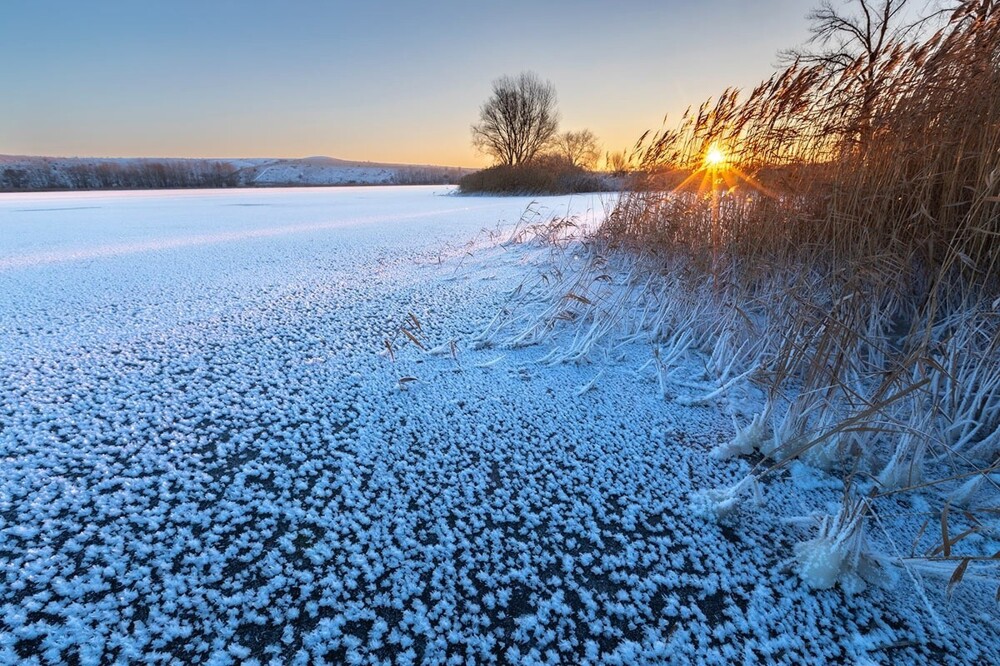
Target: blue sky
column 381, row 81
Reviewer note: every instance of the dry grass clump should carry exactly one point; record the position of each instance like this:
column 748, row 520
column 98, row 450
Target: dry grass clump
column 544, row 175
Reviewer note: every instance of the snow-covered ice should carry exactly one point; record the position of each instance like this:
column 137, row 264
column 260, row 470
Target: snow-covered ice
column 208, row 454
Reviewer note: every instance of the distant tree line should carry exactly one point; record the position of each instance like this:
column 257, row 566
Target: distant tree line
column 427, row 176
column 118, row 175
column 34, row 174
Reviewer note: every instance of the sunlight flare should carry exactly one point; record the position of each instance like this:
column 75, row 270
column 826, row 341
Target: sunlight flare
column 714, row 157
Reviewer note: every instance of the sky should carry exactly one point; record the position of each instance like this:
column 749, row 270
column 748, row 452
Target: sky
column 361, row 80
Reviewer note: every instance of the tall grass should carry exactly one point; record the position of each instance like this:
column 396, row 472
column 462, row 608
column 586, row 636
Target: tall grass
column 850, row 251
column 842, row 266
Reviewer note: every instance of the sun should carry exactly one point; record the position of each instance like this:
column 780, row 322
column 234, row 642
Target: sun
column 714, row 157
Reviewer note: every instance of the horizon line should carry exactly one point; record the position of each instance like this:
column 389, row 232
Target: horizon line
column 216, row 158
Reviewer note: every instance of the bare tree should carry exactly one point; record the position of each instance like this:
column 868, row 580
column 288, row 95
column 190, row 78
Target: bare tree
column 579, row 148
column 518, row 120
column 855, row 40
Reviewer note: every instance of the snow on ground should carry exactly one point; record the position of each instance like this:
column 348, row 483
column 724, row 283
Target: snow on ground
column 207, row 456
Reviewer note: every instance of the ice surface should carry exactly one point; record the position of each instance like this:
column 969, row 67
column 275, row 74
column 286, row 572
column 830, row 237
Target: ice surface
column 206, row 456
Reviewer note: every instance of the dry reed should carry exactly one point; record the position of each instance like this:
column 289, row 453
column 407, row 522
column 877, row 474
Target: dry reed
column 844, row 263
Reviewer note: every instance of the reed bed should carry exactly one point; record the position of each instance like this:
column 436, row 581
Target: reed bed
column 840, row 271
column 850, row 249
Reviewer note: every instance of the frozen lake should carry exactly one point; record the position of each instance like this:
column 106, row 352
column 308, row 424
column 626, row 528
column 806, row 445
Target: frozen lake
column 62, row 226
column 75, row 260
column 206, row 456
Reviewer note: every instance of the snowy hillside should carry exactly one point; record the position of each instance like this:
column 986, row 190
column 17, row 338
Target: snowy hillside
column 19, row 174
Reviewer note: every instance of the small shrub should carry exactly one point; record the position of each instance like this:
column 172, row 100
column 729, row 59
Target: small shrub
column 545, row 175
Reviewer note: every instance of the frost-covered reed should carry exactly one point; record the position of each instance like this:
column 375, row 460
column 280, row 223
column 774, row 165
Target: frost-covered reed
column 842, row 270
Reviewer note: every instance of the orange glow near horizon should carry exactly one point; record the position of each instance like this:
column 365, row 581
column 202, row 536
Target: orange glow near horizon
column 717, row 173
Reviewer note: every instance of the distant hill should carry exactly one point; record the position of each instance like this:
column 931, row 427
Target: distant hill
column 26, row 174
